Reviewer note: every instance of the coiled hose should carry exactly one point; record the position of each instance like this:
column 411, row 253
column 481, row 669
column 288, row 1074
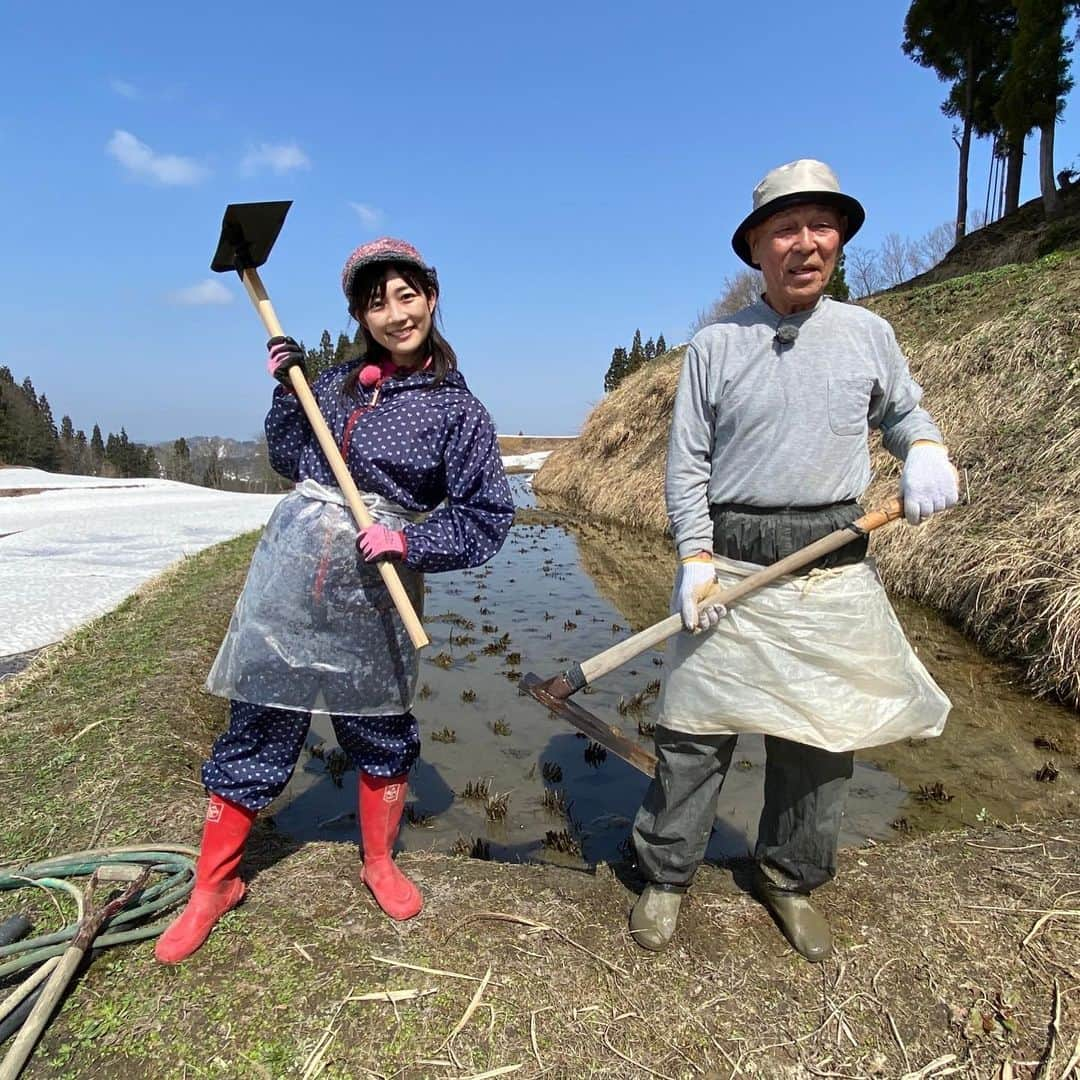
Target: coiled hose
column 51, row 958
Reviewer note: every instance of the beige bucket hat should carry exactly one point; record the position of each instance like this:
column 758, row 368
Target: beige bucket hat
column 797, row 182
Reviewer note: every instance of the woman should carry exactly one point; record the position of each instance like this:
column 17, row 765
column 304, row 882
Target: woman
column 315, row 626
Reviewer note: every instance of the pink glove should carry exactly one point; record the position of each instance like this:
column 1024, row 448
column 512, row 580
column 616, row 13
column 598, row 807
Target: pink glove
column 284, row 354
column 928, row 483
column 378, row 542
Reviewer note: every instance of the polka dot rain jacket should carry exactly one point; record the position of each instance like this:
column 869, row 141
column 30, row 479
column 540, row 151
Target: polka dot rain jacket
column 314, row 626
column 417, row 446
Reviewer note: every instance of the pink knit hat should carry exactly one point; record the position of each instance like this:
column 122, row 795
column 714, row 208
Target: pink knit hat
column 386, row 249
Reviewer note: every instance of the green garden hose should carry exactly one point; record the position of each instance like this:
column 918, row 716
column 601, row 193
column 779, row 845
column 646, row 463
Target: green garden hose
column 135, row 921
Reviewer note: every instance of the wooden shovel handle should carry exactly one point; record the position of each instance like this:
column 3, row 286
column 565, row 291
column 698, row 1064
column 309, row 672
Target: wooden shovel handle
column 633, row 646
column 389, row 574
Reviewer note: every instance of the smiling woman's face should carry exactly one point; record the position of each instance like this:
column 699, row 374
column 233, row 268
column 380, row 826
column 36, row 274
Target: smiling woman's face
column 398, row 317
column 797, row 251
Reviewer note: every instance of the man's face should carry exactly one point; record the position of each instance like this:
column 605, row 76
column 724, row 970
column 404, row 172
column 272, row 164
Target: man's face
column 796, row 250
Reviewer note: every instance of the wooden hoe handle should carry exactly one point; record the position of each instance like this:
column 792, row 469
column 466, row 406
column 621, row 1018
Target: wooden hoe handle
column 391, row 580
column 618, row 655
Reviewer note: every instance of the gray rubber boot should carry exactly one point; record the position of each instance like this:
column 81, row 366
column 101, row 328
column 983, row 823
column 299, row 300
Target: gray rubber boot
column 652, row 922
column 806, row 929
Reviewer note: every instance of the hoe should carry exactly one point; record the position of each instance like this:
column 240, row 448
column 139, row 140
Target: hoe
column 248, row 232
column 555, row 692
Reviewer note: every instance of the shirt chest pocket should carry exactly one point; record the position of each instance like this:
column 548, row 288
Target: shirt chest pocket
column 849, row 405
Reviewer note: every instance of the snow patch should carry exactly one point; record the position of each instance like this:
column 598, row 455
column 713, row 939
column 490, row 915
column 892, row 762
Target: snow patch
column 75, row 550
column 530, row 462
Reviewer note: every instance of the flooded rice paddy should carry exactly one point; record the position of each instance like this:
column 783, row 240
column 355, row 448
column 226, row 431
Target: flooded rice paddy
column 499, row 777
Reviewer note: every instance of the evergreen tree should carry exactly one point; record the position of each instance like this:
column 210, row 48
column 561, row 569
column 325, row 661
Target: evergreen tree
column 45, row 411
column 341, row 349
column 97, row 452
column 838, row 286
column 661, row 345
column 324, row 356
column 125, row 458
column 637, row 354
column 964, row 42
column 650, row 349
column 1035, row 84
column 618, row 369
column 68, row 451
column 16, row 417
column 40, row 443
column 320, row 359
column 82, row 453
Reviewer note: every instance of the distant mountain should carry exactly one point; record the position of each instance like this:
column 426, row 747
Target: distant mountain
column 233, row 464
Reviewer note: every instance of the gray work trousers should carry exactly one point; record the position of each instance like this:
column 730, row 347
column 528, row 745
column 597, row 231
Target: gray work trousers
column 805, row 792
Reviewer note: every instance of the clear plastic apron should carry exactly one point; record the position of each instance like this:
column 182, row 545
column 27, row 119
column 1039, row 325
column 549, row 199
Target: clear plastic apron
column 314, row 626
column 819, row 659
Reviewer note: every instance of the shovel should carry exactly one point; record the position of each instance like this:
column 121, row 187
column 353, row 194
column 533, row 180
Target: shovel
column 555, row 692
column 248, row 232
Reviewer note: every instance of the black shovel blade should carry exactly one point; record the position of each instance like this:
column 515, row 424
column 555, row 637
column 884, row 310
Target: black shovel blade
column 611, row 738
column 248, row 232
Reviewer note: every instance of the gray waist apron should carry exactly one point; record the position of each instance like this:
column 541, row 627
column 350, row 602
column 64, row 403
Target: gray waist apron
column 759, row 535
column 315, row 626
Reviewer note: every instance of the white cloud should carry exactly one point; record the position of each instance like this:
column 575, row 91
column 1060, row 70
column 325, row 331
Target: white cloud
column 278, row 158
column 210, row 291
column 369, row 215
column 125, row 89
column 141, row 161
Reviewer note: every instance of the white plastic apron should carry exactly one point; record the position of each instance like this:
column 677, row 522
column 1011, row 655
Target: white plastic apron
column 314, row 625
column 819, row 659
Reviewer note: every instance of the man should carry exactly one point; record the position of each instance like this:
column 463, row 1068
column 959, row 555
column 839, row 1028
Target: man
column 767, row 453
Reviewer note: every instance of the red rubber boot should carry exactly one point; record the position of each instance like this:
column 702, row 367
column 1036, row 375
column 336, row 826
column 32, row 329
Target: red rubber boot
column 382, row 801
column 217, row 886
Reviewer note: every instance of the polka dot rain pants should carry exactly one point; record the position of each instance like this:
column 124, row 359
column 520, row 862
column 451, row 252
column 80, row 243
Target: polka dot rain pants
column 252, row 762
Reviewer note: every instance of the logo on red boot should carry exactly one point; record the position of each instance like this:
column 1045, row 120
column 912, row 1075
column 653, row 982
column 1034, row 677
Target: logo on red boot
column 213, row 811
column 391, row 793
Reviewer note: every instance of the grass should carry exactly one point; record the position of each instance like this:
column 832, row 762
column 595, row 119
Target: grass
column 100, row 742
column 118, row 700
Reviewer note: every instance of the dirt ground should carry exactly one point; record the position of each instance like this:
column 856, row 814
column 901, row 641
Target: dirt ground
column 957, row 955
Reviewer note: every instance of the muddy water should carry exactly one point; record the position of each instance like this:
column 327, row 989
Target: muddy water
column 558, row 593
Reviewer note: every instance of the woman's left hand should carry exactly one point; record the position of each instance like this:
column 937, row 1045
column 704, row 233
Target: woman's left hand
column 378, row 542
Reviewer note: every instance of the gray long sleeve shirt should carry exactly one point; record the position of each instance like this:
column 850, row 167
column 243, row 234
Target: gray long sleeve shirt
column 768, row 424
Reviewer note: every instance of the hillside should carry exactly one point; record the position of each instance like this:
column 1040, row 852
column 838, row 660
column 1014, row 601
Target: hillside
column 1023, row 236
column 998, row 354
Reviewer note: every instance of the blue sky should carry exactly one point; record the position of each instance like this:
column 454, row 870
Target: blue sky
column 574, row 171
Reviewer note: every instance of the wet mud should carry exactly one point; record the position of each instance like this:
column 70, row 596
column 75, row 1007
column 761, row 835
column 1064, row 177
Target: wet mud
column 500, row 777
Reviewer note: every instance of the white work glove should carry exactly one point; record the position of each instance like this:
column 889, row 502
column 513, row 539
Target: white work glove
column 696, row 577
column 928, row 483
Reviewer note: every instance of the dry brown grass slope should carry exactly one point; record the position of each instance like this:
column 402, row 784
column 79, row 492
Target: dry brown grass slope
column 998, row 354
column 614, row 471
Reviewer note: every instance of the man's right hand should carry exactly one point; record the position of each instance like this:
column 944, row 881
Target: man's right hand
column 285, row 354
column 696, row 577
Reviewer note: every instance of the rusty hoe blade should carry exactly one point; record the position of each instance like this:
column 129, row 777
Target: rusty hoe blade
column 611, row 738
column 564, row 684
column 248, row 232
